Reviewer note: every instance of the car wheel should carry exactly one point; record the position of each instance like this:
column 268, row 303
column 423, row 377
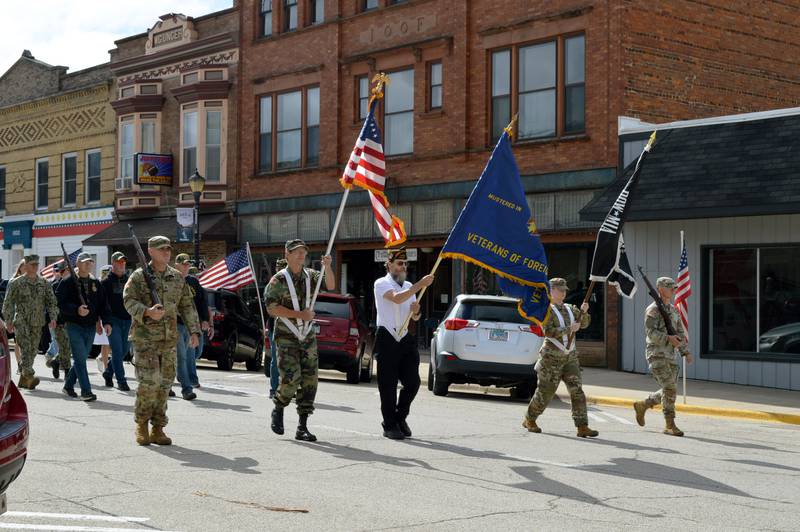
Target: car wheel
column 430, row 377
column 255, row 363
column 225, row 359
column 522, row 391
column 366, row 373
column 354, row 371
column 440, row 384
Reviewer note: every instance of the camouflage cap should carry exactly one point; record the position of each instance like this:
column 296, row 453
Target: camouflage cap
column 281, row 264
column 118, row 255
column 665, row 282
column 291, row 245
column 183, row 258
column 31, row 259
column 558, row 282
column 159, row 242
column 85, row 257
column 59, row 267
column 398, row 254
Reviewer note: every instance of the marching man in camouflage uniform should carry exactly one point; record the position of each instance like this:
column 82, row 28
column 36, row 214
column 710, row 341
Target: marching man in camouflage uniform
column 154, row 335
column 660, row 351
column 558, row 360
column 27, row 299
column 288, row 292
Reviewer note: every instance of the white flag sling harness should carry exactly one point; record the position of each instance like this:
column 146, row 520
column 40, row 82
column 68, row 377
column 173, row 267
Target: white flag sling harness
column 562, row 324
column 296, row 329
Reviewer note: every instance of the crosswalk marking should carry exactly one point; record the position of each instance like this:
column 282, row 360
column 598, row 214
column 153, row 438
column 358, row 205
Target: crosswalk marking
column 79, row 517
column 597, row 418
column 63, row 528
column 617, row 418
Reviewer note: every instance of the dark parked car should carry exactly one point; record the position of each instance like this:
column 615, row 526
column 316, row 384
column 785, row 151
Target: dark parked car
column 344, row 341
column 13, row 422
column 237, row 331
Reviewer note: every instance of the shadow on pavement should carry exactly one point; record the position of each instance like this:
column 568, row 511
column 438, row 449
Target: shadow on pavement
column 216, row 405
column 739, row 445
column 208, row 389
column 205, row 460
column 615, row 443
column 337, row 408
column 360, row 455
column 764, row 464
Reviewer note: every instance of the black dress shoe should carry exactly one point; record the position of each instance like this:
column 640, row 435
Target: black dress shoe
column 124, row 387
column 404, row 428
column 171, row 393
column 190, row 396
column 393, row 432
column 89, row 397
column 277, row 421
column 109, row 381
column 55, row 367
column 69, row 392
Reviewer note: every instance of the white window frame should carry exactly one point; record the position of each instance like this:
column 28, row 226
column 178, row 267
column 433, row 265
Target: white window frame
column 86, row 176
column 36, row 191
column 64, row 157
column 202, row 107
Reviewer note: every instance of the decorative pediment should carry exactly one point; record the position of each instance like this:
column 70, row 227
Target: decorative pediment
column 170, row 31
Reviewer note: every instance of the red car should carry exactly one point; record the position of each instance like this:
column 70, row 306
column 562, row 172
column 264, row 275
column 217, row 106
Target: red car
column 344, row 341
column 13, row 422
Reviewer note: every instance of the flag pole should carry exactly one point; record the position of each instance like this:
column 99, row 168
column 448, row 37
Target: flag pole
column 258, row 292
column 380, row 80
column 683, row 359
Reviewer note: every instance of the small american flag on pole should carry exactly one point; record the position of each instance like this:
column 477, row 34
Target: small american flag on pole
column 48, row 273
column 231, row 273
column 367, row 169
column 684, row 288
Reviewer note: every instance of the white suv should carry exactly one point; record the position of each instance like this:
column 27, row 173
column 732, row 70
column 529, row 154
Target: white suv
column 484, row 340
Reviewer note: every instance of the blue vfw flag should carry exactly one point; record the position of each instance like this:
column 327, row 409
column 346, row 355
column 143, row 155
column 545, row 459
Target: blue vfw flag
column 496, row 231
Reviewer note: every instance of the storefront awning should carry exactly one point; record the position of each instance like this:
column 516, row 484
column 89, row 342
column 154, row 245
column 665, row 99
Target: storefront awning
column 212, row 227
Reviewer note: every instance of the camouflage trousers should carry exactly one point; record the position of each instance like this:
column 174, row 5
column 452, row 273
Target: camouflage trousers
column 155, row 370
column 299, row 368
column 553, row 367
column 64, row 349
column 26, row 338
column 665, row 372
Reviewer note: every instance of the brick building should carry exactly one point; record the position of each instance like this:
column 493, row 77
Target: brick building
column 460, row 71
column 56, row 160
column 174, row 94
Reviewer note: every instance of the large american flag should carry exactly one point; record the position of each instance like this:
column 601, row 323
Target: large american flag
column 366, row 169
column 48, row 273
column 231, row 273
column 684, row 289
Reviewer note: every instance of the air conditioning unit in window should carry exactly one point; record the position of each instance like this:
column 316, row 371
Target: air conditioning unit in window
column 123, row 183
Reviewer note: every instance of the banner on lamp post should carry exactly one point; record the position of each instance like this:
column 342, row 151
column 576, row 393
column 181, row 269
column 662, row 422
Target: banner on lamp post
column 185, row 216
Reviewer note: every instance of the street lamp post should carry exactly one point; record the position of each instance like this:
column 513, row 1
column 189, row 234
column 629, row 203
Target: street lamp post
column 197, row 183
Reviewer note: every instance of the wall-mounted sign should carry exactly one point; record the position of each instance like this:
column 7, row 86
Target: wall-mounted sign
column 153, row 169
column 382, row 255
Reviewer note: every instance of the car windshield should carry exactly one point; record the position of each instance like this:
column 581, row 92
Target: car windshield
column 490, row 311
column 334, row 309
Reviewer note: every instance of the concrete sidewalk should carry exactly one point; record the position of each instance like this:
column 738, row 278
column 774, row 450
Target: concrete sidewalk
column 617, row 388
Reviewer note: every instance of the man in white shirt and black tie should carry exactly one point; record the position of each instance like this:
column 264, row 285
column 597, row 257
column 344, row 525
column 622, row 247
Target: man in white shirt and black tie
column 395, row 349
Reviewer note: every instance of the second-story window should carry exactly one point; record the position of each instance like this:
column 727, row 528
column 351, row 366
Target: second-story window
column 266, row 18
column 316, row 10
column 213, row 145
column 189, row 143
column 435, row 77
column 42, row 183
column 126, row 150
column 93, row 176
column 289, row 135
column 2, row 188
column 203, row 140
column 369, row 4
column 501, row 92
column 289, row 15
column 363, row 97
column 537, row 91
column 574, row 84
column 399, row 113
column 69, row 179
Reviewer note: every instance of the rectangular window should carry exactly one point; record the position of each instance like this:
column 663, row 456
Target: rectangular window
column 317, row 11
column 126, row 155
column 363, row 97
column 266, row 18
column 189, row 144
column 289, row 130
column 574, row 85
column 2, row 188
column 126, row 92
column 148, row 136
column 399, row 113
column 370, row 4
column 265, row 135
column 93, row 158
column 148, row 89
column 69, row 180
column 435, row 76
column 501, row 92
column 537, row 91
column 42, row 177
column 289, row 15
column 752, row 297
column 213, row 145
column 190, row 78
column 213, row 75
column 312, row 126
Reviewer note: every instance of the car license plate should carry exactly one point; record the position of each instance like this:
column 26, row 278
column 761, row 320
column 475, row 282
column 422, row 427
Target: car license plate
column 498, row 335
column 317, row 328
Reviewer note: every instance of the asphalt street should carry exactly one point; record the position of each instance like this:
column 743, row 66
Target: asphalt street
column 469, row 466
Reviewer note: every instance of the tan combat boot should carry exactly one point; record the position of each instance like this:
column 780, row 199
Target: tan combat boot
column 672, row 429
column 158, row 437
column 28, row 382
column 585, row 432
column 142, row 434
column 641, row 409
column 531, row 425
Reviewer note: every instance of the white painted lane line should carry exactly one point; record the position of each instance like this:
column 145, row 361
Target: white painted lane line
column 328, row 427
column 597, row 418
column 62, row 528
column 79, row 517
column 617, row 418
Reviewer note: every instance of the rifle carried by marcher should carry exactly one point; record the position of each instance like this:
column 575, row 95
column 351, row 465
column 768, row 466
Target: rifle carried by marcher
column 146, row 271
column 660, row 304
column 72, row 271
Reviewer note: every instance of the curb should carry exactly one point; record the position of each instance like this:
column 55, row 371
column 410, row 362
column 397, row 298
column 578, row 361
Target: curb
column 755, row 415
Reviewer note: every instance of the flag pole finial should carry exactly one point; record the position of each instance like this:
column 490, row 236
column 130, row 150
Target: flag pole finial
column 380, row 79
column 651, row 141
column 510, row 127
